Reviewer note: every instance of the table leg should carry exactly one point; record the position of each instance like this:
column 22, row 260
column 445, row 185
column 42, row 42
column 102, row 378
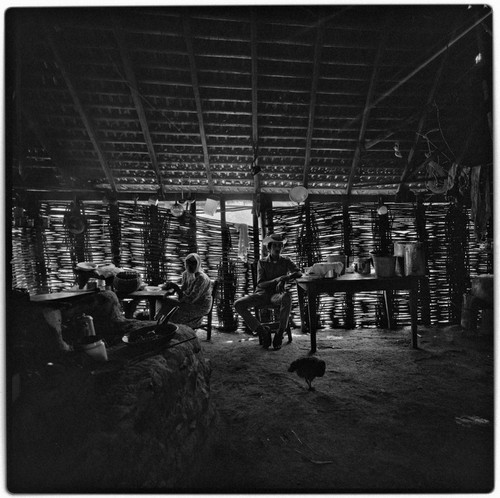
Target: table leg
column 349, row 311
column 413, row 315
column 311, row 301
column 300, row 296
column 389, row 309
column 152, row 307
column 128, row 308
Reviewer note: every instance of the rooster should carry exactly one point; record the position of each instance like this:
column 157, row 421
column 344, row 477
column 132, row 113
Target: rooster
column 308, row 367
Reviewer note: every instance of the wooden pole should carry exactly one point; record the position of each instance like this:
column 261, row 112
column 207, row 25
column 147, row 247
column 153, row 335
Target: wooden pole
column 256, row 237
column 193, row 240
column 346, row 227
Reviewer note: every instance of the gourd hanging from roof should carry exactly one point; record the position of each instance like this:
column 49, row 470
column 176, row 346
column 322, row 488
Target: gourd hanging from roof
column 75, row 221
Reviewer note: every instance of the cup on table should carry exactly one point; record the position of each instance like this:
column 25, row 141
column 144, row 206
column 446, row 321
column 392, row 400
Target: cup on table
column 363, row 266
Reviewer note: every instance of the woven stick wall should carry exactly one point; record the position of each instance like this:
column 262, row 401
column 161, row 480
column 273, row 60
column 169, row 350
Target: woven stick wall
column 174, row 241
column 368, row 305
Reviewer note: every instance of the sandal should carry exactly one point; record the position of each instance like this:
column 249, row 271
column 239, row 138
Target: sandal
column 278, row 340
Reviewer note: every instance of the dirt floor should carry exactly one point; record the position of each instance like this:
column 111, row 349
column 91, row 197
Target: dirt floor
column 384, row 418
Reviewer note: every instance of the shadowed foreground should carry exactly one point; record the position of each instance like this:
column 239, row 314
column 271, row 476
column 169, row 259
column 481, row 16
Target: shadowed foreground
column 384, row 417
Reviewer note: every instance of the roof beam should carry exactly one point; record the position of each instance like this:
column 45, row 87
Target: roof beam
column 134, row 90
column 58, row 193
column 366, row 115
column 431, row 58
column 255, row 128
column 312, row 103
column 45, row 142
column 423, row 65
column 421, row 122
column 388, row 133
column 79, row 107
column 253, row 42
column 197, row 98
column 18, row 101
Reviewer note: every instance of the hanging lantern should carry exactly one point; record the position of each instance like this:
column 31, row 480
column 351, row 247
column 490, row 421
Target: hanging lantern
column 298, row 194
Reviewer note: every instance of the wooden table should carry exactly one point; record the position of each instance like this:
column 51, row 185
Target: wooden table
column 59, row 296
column 150, row 295
column 352, row 283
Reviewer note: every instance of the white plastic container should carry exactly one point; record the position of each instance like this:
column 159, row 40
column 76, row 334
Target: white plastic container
column 96, row 350
column 399, row 249
column 337, row 258
column 414, row 259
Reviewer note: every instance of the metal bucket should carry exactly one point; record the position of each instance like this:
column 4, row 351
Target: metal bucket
column 385, row 266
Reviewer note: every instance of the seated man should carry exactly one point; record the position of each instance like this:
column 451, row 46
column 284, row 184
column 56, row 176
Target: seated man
column 272, row 274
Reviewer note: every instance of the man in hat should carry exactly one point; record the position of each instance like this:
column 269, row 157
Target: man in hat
column 273, row 272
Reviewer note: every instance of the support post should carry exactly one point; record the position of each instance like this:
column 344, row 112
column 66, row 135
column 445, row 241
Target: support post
column 346, row 231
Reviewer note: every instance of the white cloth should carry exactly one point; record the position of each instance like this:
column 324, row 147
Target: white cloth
column 243, row 241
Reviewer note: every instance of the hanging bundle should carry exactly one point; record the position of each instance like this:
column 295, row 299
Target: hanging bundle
column 75, row 224
column 439, row 182
column 75, row 221
column 115, row 232
column 481, row 199
column 381, row 222
column 308, row 246
column 155, row 234
column 457, row 264
column 227, row 276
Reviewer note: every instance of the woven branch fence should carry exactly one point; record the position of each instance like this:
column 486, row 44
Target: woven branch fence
column 151, row 241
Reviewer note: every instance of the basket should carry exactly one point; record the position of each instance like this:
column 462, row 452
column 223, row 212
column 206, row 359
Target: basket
column 126, row 282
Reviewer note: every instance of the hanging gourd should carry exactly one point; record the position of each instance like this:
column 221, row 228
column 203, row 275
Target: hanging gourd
column 75, row 224
column 75, row 221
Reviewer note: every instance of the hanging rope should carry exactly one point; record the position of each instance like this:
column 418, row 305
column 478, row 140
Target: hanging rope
column 115, row 232
column 382, row 232
column 155, row 234
column 227, row 275
column 457, row 265
column 308, row 246
column 75, row 225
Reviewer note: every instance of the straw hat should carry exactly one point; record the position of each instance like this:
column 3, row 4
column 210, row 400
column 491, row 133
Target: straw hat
column 274, row 237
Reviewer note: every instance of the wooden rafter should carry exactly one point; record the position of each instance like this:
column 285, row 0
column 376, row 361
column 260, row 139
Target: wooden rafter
column 255, row 129
column 312, row 101
column 18, row 101
column 422, row 66
column 134, row 89
column 197, row 98
column 430, row 59
column 388, row 133
column 81, row 111
column 37, row 128
column 366, row 115
column 421, row 122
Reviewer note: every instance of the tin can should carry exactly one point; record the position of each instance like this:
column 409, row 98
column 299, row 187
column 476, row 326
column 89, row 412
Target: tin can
column 86, row 324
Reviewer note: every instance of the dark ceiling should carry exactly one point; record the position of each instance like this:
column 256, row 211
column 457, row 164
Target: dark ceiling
column 199, row 99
